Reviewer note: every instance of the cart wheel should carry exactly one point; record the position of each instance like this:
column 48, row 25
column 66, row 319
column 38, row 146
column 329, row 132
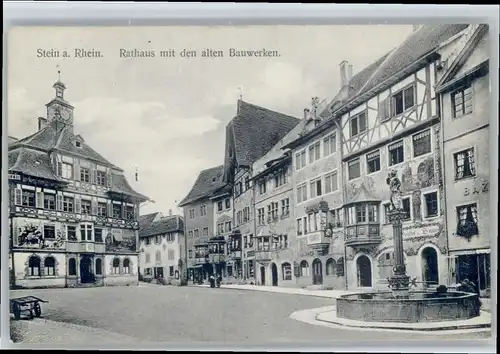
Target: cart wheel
column 16, row 311
column 38, row 310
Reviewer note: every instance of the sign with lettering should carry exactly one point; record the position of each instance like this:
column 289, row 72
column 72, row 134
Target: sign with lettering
column 477, row 189
column 421, row 230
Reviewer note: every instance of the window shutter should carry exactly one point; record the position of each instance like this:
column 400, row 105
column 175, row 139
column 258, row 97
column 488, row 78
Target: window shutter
column 123, row 210
column 76, row 168
column 39, row 200
column 78, row 204
column 18, row 196
column 93, row 175
column 108, row 178
column 94, row 206
column 59, row 202
column 59, row 168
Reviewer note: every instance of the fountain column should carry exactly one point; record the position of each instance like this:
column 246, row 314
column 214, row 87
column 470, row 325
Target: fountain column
column 400, row 281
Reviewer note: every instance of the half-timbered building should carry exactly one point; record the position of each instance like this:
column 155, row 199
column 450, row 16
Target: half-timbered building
column 389, row 121
column 463, row 85
column 73, row 215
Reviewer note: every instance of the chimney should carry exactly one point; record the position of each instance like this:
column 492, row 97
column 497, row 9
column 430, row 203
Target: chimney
column 42, row 122
column 349, row 74
column 343, row 73
column 169, row 212
column 306, row 113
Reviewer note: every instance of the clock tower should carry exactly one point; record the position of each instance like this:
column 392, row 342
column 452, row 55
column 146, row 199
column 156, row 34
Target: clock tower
column 58, row 109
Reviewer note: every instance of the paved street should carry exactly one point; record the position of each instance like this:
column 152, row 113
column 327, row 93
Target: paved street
column 191, row 314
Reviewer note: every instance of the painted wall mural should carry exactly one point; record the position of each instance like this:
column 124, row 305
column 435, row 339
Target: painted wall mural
column 32, row 236
column 121, row 240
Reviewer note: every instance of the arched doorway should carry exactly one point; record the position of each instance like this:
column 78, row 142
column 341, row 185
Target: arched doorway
column 86, row 273
column 317, row 276
column 364, row 268
column 262, row 276
column 274, row 274
column 430, row 266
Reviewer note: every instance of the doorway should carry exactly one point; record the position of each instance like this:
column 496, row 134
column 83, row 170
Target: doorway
column 317, row 270
column 262, row 276
column 476, row 268
column 364, row 268
column 274, row 274
column 158, row 272
column 86, row 273
column 430, row 267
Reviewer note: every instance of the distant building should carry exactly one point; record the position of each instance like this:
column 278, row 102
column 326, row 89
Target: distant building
column 73, row 215
column 161, row 246
column 463, row 83
column 222, row 252
column 199, row 223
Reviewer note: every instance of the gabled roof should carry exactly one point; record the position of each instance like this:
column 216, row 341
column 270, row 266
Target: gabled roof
column 208, row 181
column 256, row 130
column 418, row 45
column 120, row 185
column 147, row 218
column 162, row 226
column 32, row 162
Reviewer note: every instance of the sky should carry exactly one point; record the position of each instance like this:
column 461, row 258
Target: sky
column 166, row 117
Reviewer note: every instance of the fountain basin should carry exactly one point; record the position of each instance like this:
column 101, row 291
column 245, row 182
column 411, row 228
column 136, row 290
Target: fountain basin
column 419, row 306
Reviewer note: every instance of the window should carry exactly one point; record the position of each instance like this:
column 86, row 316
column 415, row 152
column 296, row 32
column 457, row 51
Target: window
column 72, row 266
column 373, row 161
column 239, row 217
column 336, row 217
column 98, row 235
column 190, row 234
column 171, row 255
column 262, row 186
column 86, row 232
column 219, row 205
column 50, row 266
column 190, row 254
column 261, row 216
column 316, row 189
column 272, row 211
column 330, row 266
column 101, row 178
column 387, row 210
column 372, row 213
column 331, row 182
column 300, row 228
column 171, row 271
column 304, row 269
column 314, row 152
column 84, row 174
column 329, row 145
column 158, row 256
column 360, row 214
column 220, row 228
column 246, row 214
column 396, row 153
column 129, row 212
column 98, row 266
column 302, row 193
column 467, row 220
column 285, row 207
column 228, row 203
column 157, row 239
column 464, row 164
column 49, row 201
column 205, row 232
column 461, row 101
column 203, row 210
column 34, row 268
column 196, row 233
column 286, row 271
column 191, row 214
column 117, row 211
column 247, row 183
column 67, row 170
column 116, row 265
column 422, row 143
column 300, row 160
column 102, row 209
column 406, row 208
column 71, row 233
column 358, row 124
column 49, row 232
column 86, row 206
column 402, row 101
column 353, row 169
column 28, row 198
column 171, row 237
column 316, row 221
column 148, row 240
column 280, row 179
column 68, row 204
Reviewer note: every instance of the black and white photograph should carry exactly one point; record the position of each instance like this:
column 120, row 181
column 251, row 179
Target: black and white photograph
column 247, row 185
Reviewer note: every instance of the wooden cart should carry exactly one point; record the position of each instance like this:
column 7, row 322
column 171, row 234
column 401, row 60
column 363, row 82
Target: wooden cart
column 29, row 304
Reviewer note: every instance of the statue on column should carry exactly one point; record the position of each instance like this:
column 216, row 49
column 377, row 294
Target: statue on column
column 395, row 187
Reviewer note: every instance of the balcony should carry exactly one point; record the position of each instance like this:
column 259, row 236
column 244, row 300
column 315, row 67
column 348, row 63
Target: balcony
column 362, row 235
column 317, row 240
column 201, row 259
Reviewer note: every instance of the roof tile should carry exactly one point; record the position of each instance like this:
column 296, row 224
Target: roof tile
column 208, row 181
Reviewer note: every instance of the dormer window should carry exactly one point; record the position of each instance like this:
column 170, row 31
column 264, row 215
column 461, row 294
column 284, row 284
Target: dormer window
column 78, row 144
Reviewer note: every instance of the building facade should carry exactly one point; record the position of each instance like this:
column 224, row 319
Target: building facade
column 73, row 215
column 161, row 247
column 463, row 85
column 250, row 134
column 389, row 121
column 199, row 223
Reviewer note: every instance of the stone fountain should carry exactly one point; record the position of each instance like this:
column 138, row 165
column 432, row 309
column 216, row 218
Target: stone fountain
column 400, row 304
